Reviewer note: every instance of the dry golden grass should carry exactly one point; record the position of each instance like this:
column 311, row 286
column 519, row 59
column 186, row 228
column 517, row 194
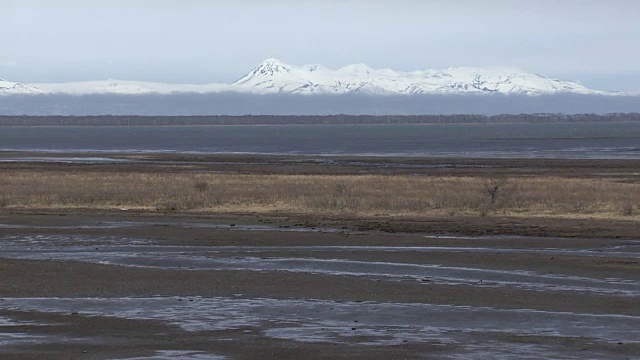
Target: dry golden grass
column 358, row 195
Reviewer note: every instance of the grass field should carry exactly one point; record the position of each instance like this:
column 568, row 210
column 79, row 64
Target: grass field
column 354, row 195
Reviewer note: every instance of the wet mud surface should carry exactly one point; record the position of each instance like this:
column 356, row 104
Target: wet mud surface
column 96, row 288
column 308, row 164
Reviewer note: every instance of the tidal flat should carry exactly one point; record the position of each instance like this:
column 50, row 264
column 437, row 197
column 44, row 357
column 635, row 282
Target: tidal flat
column 228, row 279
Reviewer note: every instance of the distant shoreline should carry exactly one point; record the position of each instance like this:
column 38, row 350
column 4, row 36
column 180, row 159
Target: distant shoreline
column 134, row 120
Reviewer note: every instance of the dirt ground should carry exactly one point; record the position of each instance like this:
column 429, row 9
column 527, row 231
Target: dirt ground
column 91, row 284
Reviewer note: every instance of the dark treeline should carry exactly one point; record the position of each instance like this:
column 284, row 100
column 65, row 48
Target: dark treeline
column 109, row 120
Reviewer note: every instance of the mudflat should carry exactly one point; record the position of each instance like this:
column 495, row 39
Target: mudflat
column 113, row 282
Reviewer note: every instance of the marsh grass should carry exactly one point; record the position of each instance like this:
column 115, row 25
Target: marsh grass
column 365, row 195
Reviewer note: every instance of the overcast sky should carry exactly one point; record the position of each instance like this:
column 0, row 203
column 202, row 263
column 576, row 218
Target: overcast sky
column 198, row 41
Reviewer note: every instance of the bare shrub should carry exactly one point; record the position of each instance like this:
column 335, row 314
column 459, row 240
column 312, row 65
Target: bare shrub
column 494, row 188
column 201, row 186
column 628, row 208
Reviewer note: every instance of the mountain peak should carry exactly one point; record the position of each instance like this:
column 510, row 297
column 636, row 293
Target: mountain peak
column 268, row 68
column 272, row 66
column 272, row 62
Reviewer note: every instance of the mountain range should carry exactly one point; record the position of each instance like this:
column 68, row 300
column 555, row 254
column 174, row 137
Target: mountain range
column 275, row 77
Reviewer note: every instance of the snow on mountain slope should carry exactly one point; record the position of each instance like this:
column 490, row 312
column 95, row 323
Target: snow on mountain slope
column 13, row 88
column 273, row 76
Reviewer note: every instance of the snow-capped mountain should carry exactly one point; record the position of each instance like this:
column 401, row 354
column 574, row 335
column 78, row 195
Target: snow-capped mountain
column 13, row 88
column 273, row 76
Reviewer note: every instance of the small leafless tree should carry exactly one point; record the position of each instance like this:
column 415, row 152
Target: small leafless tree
column 494, row 187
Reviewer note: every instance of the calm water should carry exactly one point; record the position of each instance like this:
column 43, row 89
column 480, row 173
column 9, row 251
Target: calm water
column 583, row 140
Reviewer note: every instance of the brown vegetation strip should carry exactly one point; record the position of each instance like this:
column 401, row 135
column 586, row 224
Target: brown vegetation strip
column 355, row 195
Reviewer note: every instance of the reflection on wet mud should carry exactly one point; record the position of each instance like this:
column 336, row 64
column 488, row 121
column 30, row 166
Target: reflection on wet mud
column 144, row 253
column 356, row 323
column 450, row 331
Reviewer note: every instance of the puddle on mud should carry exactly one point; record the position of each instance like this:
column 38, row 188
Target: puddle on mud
column 185, row 225
column 6, row 322
column 476, row 332
column 629, row 249
column 8, row 335
column 65, row 160
column 355, row 323
column 20, row 338
column 179, row 355
column 114, row 250
column 433, row 274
